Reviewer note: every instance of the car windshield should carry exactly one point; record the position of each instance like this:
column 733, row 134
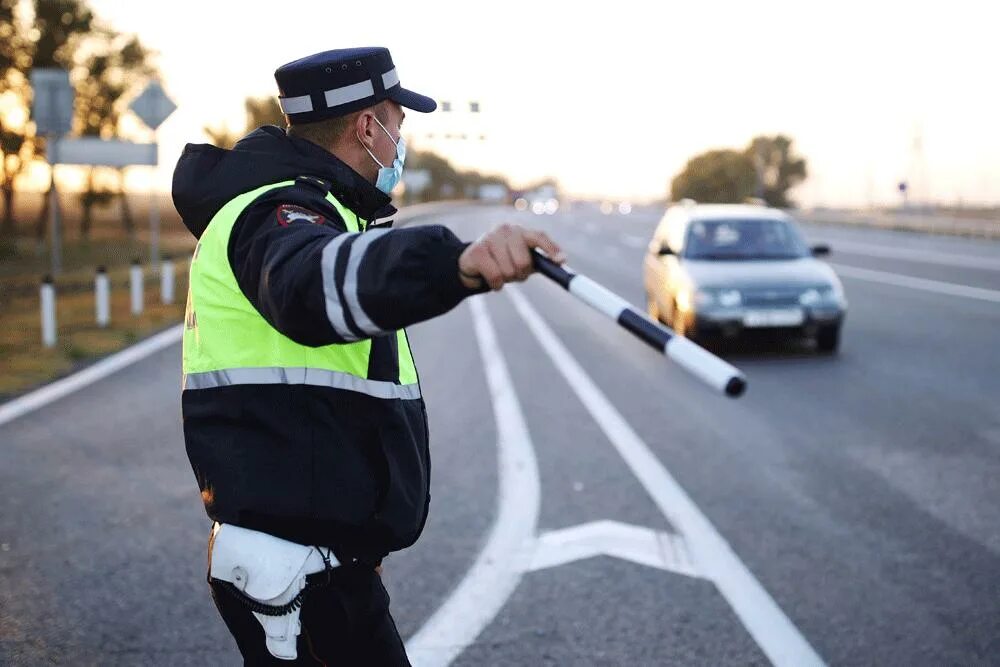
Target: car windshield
column 743, row 240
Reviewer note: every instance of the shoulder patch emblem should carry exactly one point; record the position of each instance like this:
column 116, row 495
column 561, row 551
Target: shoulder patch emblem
column 289, row 213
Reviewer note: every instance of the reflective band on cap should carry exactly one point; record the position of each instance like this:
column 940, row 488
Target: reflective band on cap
column 338, row 96
column 315, row 377
column 351, row 93
column 300, row 104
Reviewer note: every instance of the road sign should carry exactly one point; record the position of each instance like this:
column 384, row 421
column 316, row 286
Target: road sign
column 152, row 105
column 105, row 152
column 52, row 101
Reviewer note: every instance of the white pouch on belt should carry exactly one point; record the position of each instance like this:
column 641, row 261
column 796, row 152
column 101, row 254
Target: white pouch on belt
column 270, row 571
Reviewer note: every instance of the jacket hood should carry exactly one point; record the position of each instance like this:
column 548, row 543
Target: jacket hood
column 207, row 177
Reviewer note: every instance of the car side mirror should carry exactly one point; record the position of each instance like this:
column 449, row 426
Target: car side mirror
column 820, row 250
column 665, row 250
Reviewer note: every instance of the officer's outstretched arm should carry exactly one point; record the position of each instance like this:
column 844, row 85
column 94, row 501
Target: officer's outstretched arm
column 319, row 284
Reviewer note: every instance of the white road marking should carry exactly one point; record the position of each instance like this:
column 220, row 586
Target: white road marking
column 777, row 637
column 56, row 390
column 499, row 566
column 924, row 284
column 918, row 255
column 638, row 544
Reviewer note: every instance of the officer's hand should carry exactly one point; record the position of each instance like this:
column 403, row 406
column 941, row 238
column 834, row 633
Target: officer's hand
column 504, row 255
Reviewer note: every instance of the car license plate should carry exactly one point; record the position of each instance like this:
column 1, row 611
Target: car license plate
column 781, row 317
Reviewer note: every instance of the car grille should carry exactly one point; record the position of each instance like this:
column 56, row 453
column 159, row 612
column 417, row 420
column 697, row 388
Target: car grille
column 770, row 297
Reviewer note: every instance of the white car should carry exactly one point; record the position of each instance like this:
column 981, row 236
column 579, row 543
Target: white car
column 724, row 270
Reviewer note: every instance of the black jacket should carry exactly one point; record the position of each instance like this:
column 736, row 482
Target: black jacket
column 314, row 465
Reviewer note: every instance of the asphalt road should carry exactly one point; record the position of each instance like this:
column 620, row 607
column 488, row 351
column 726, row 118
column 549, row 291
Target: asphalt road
column 859, row 494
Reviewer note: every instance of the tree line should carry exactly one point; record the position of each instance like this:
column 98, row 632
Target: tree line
column 765, row 170
column 106, row 67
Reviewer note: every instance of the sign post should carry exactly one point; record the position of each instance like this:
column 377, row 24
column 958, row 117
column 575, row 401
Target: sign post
column 152, row 106
column 52, row 111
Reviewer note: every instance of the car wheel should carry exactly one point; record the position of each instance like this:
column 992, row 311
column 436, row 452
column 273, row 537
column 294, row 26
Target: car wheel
column 828, row 339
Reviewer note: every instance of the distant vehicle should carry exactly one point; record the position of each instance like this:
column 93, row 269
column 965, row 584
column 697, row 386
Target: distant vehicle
column 723, row 270
column 543, row 200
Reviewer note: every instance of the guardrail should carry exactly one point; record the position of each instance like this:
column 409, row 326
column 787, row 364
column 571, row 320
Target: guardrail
column 102, row 287
column 909, row 221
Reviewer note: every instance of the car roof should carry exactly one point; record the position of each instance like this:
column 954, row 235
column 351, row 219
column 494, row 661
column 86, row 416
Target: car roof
column 731, row 211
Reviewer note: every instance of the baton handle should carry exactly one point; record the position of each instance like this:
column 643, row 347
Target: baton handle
column 716, row 372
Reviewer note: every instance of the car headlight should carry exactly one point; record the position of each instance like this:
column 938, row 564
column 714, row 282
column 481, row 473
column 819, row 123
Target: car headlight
column 818, row 295
column 810, row 297
column 730, row 298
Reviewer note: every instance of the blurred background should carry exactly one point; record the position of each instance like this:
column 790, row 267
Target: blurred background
column 869, row 108
column 858, row 478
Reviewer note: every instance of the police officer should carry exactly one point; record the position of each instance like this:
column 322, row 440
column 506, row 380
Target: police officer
column 303, row 417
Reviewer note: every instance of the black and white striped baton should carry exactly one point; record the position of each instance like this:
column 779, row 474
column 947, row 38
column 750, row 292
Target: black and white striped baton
column 695, row 359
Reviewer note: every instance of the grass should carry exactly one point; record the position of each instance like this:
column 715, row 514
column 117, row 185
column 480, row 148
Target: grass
column 24, row 362
column 27, row 363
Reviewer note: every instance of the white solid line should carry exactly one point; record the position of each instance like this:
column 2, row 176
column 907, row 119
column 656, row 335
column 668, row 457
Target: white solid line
column 498, row 567
column 918, row 255
column 937, row 286
column 53, row 392
column 777, row 637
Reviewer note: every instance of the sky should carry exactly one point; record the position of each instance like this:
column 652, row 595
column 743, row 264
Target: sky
column 612, row 99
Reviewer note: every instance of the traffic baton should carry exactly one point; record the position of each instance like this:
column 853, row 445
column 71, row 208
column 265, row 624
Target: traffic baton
column 698, row 361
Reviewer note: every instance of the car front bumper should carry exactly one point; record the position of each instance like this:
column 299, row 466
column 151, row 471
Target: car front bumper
column 735, row 322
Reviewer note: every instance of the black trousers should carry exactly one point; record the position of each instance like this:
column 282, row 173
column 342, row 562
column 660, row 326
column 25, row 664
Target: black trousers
column 344, row 623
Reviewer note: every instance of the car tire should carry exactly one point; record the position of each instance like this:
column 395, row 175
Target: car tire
column 828, row 339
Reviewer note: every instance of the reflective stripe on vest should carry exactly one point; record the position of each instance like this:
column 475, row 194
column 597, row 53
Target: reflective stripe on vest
column 227, row 342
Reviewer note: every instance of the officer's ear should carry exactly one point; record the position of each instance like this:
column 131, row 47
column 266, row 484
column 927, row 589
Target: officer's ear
column 365, row 126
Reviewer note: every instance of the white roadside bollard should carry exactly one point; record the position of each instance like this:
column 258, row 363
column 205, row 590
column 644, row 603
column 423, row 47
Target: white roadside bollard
column 48, row 312
column 102, row 298
column 167, row 280
column 136, row 288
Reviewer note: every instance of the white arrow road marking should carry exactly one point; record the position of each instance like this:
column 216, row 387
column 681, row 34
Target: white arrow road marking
column 777, row 637
column 512, row 547
column 498, row 568
column 645, row 546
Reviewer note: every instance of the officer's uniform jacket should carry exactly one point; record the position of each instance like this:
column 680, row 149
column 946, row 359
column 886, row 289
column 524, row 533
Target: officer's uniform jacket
column 291, row 260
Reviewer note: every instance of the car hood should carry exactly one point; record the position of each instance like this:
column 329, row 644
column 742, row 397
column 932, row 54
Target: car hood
column 804, row 272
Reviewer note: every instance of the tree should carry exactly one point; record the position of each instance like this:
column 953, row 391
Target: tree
column 45, row 38
column 109, row 65
column 766, row 168
column 259, row 111
column 58, row 27
column 715, row 177
column 44, row 41
column 103, row 66
column 777, row 170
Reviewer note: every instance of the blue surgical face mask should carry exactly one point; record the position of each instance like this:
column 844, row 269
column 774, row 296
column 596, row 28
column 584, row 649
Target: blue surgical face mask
column 388, row 177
